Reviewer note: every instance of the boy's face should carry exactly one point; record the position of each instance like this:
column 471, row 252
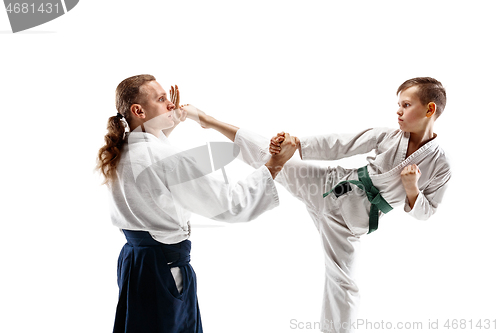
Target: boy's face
column 412, row 115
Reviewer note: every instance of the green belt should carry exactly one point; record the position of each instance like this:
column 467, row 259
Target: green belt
column 372, row 193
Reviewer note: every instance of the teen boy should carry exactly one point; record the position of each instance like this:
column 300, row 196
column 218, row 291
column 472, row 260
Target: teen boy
column 409, row 169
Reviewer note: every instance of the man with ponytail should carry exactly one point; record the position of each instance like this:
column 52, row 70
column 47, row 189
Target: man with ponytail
column 154, row 188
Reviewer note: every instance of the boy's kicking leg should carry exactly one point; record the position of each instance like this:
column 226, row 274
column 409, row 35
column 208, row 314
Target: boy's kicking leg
column 307, row 182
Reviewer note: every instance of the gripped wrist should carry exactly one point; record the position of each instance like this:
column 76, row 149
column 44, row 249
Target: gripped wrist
column 275, row 165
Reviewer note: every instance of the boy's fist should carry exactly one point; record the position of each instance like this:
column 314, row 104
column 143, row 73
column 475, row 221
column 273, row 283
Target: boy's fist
column 410, row 176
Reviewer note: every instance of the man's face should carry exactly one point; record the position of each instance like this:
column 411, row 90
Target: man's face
column 159, row 110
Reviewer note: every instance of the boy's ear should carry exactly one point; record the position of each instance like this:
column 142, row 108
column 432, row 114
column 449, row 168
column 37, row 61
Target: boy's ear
column 431, row 109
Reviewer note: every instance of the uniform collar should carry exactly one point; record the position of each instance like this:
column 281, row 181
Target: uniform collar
column 139, row 136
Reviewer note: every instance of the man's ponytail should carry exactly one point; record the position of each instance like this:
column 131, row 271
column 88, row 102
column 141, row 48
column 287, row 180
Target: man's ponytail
column 127, row 93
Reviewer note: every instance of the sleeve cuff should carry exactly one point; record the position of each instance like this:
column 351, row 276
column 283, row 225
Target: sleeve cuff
column 420, row 209
column 271, row 189
column 408, row 209
column 253, row 148
column 304, row 148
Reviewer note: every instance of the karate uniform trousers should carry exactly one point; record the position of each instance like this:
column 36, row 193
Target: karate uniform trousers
column 308, row 182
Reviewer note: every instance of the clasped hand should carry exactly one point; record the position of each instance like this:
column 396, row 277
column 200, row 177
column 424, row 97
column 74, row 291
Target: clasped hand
column 283, row 145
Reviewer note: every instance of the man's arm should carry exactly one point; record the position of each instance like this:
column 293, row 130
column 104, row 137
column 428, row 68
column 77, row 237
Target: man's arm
column 275, row 163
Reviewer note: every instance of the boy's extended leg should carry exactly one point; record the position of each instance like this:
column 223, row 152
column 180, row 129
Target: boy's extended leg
column 341, row 293
column 308, row 182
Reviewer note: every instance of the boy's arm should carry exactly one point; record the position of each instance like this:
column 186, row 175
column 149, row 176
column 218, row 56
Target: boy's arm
column 422, row 204
column 409, row 177
column 337, row 146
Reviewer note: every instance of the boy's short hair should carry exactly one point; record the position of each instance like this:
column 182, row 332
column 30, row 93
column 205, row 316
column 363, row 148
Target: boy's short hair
column 429, row 90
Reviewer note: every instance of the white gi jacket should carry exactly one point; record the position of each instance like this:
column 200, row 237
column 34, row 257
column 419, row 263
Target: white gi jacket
column 341, row 221
column 384, row 170
column 142, row 199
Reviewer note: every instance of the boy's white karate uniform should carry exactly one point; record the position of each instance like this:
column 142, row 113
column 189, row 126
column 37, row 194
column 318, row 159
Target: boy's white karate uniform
column 341, row 221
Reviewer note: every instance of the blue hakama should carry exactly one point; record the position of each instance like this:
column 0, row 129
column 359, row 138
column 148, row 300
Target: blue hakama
column 149, row 301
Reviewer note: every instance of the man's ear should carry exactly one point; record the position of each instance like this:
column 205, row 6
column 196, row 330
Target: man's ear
column 137, row 111
column 431, row 109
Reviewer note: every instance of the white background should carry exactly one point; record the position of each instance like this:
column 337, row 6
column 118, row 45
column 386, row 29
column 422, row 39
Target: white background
column 302, row 67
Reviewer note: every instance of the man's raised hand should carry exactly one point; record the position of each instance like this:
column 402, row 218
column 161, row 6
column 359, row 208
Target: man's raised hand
column 174, row 96
column 179, row 115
